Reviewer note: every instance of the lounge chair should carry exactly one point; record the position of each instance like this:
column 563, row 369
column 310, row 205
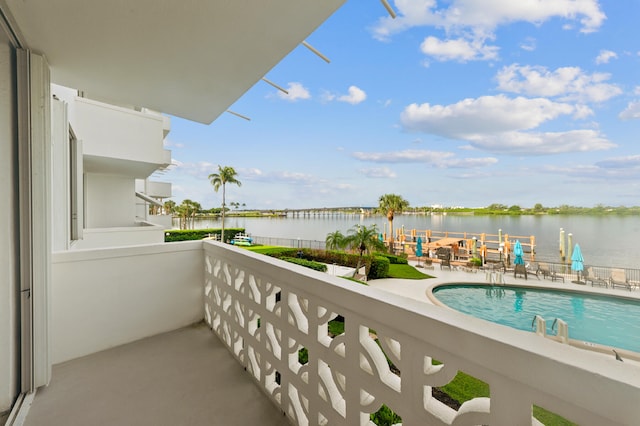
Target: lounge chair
column 533, row 270
column 547, row 272
column 618, row 278
column 590, row 277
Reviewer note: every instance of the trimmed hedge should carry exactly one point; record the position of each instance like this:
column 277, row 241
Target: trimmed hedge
column 393, row 259
column 317, row 266
column 379, row 267
column 329, row 256
column 198, row 234
column 273, row 251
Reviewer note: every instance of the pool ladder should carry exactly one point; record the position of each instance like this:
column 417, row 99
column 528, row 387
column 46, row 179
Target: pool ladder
column 539, row 325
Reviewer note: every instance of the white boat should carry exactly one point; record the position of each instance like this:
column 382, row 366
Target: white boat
column 242, row 240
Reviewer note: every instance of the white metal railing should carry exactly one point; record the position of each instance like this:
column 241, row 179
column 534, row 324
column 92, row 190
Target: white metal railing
column 265, row 311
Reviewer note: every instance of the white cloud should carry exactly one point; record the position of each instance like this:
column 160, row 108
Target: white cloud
column 406, row 156
column 355, row 96
column 296, row 92
column 199, row 169
column 566, row 83
column 484, row 115
column 605, row 56
column 327, row 96
column 632, row 111
column 499, row 124
column 438, row 159
column 582, row 112
column 529, row 44
column 379, row 172
column 628, row 162
column 170, row 144
column 458, row 49
column 481, row 18
column 522, row 143
column 470, row 163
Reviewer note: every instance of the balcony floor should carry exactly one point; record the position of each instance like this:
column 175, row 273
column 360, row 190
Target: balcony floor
column 184, row 377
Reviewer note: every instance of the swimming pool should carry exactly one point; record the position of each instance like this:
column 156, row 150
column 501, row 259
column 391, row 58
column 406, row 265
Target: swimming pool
column 608, row 321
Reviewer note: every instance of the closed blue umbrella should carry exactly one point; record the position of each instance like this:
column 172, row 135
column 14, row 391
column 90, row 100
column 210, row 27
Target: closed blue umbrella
column 518, row 253
column 577, row 261
column 419, row 247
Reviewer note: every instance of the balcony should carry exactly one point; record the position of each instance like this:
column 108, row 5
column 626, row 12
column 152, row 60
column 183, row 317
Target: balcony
column 120, row 140
column 265, row 312
column 169, row 379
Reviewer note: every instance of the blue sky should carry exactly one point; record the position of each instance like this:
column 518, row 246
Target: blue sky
column 455, row 103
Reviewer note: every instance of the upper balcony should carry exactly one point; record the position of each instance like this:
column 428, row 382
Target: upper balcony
column 266, row 312
column 119, row 140
column 156, row 189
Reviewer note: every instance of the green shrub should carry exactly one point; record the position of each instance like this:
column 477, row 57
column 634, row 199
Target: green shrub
column 475, row 261
column 385, row 417
column 278, row 252
column 395, row 259
column 198, row 234
column 330, row 256
column 317, row 266
column 378, row 267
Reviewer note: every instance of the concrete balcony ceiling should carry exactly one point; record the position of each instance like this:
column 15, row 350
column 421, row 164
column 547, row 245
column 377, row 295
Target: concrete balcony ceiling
column 192, row 59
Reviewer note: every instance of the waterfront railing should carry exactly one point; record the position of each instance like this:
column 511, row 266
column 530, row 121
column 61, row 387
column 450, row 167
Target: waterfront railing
column 289, row 242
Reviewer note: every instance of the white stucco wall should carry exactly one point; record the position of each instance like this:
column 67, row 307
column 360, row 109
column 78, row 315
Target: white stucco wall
column 114, row 132
column 94, row 238
column 108, row 297
column 110, row 201
column 60, row 203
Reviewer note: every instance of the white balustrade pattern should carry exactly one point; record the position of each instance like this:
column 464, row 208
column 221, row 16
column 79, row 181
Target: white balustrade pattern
column 265, row 311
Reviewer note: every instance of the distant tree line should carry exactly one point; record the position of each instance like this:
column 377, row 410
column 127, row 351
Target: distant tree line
column 503, row 209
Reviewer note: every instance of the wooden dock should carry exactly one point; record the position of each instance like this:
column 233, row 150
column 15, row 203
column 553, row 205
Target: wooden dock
column 464, row 245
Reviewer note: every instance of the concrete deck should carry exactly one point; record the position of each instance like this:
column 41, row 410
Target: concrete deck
column 185, row 377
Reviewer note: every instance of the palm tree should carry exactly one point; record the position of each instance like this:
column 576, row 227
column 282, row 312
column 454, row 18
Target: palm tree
column 187, row 211
column 390, row 204
column 364, row 239
column 335, row 240
column 169, row 206
column 225, row 175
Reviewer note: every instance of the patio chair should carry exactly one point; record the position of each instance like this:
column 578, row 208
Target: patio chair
column 618, row 278
column 590, row 277
column 547, row 272
column 520, row 270
column 444, row 255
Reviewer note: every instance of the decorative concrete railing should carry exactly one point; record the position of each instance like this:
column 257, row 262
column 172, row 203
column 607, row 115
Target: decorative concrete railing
column 266, row 311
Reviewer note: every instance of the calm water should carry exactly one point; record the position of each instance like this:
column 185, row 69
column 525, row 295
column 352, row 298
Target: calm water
column 608, row 321
column 605, row 241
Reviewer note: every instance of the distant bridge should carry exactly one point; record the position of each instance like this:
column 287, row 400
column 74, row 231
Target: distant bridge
column 321, row 211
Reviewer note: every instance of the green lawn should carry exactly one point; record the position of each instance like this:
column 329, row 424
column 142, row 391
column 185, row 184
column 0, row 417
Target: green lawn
column 261, row 249
column 406, row 272
column 464, row 387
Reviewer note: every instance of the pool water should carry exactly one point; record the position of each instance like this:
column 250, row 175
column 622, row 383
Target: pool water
column 608, row 321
